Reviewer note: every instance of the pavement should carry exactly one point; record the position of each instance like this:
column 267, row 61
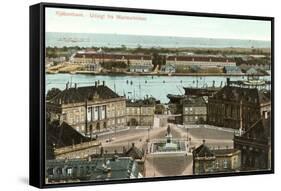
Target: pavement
column 166, row 165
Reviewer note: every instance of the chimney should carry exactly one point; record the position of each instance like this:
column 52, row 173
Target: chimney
column 96, row 84
column 103, row 83
column 204, row 141
column 133, row 145
column 75, row 85
column 66, row 86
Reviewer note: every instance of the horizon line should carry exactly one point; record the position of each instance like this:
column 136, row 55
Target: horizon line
column 243, row 39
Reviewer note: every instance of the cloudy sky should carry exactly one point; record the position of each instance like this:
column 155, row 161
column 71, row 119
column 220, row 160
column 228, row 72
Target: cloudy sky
column 90, row 21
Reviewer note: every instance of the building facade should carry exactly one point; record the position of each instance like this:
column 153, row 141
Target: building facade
column 88, row 109
column 101, row 57
column 202, row 62
column 194, row 110
column 255, row 146
column 207, row 161
column 238, row 107
column 141, row 68
column 140, row 112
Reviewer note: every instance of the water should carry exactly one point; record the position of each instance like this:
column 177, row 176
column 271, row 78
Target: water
column 156, row 86
column 133, row 41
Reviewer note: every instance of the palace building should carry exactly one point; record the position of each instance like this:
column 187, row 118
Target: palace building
column 88, row 109
column 238, row 107
column 140, row 112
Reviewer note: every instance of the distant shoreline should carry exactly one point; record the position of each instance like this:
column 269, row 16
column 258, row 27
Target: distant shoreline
column 148, row 74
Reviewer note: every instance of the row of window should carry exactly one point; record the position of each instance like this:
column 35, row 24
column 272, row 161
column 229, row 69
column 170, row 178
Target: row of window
column 95, row 113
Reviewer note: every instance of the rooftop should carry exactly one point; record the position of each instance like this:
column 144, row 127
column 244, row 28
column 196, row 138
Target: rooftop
column 148, row 102
column 193, row 101
column 98, row 168
column 250, row 95
column 81, row 94
column 199, row 58
column 113, row 56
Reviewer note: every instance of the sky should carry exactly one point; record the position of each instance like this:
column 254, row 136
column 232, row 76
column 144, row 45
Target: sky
column 109, row 22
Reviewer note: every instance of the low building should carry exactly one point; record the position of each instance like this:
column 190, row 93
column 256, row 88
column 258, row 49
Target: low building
column 168, row 68
column 252, row 71
column 86, row 57
column 201, row 61
column 232, row 70
column 98, row 169
column 140, row 68
column 93, row 67
column 208, row 161
column 194, row 110
column 89, row 109
column 140, row 112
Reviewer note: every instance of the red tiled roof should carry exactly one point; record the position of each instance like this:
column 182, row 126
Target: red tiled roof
column 113, row 56
column 199, row 58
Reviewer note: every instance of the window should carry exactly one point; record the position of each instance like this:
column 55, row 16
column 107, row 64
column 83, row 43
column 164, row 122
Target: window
column 96, row 113
column 59, row 171
column 69, row 171
column 89, row 117
column 103, row 109
column 217, row 164
column 225, row 164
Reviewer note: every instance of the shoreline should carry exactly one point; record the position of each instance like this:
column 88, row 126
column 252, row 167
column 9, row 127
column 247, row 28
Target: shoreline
column 149, row 74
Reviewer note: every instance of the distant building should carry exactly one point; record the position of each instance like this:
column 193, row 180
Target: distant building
column 101, row 57
column 238, row 106
column 168, row 68
column 194, row 110
column 232, row 70
column 93, row 67
column 140, row 112
column 251, row 71
column 207, row 161
column 201, row 61
column 88, row 109
column 140, row 68
column 76, row 170
column 255, row 145
column 56, row 59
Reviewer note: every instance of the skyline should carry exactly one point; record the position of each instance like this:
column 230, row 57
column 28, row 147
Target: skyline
column 109, row 22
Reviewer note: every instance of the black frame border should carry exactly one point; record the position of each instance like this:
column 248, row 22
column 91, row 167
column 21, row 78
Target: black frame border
column 37, row 93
